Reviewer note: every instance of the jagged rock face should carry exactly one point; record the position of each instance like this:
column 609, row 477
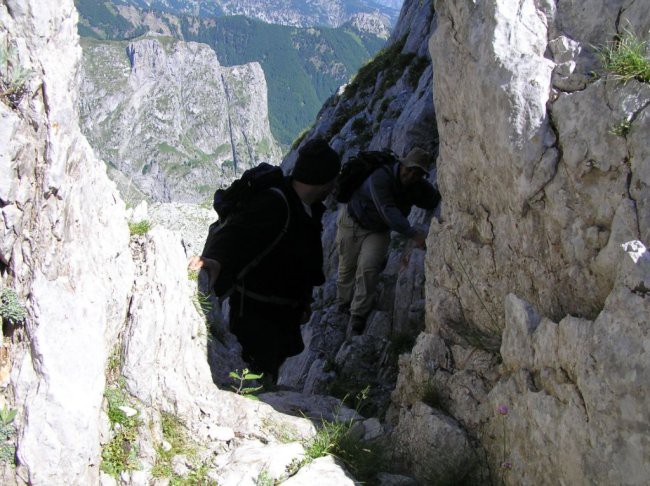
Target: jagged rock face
column 393, row 107
column 372, row 23
column 64, row 247
column 402, row 121
column 539, row 194
column 170, row 118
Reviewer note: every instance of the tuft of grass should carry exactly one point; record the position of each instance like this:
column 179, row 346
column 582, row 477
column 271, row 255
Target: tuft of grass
column 415, row 70
column 301, row 136
column 622, row 128
column 264, row 479
column 335, row 438
column 139, row 228
column 121, row 453
column 175, row 434
column 431, row 395
column 11, row 310
column 13, row 77
column 626, row 58
column 202, row 302
column 114, row 365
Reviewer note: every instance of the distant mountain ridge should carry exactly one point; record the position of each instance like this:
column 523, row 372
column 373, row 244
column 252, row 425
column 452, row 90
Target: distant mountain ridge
column 296, row 13
column 303, row 67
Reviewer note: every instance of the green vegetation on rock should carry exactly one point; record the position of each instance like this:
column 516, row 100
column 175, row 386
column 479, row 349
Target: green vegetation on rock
column 626, row 58
column 120, row 454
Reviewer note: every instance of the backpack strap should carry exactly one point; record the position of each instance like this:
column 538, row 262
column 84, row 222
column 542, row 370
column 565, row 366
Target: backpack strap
column 256, row 261
column 270, row 299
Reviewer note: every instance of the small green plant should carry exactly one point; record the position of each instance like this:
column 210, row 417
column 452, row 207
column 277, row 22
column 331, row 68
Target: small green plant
column 349, row 388
column 245, row 375
column 359, row 125
column 622, row 128
column 415, row 70
column 114, row 365
column 7, row 416
column 10, row 308
column 13, row 77
column 197, row 476
column 626, row 58
column 327, row 439
column 264, row 479
column 334, row 438
column 139, row 228
column 121, row 453
column 7, row 435
column 202, row 302
column 431, row 395
column 294, row 466
column 174, row 433
column 301, row 136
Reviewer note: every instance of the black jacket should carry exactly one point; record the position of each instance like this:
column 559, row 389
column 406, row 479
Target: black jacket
column 293, row 267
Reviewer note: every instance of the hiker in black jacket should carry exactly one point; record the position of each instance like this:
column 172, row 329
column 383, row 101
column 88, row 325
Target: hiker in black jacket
column 273, row 299
column 380, row 205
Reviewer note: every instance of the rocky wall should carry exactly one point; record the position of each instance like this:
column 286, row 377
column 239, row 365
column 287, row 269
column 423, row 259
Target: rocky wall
column 533, row 307
column 64, row 247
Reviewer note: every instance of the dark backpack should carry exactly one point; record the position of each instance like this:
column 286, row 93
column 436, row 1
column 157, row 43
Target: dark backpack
column 236, row 196
column 233, row 199
column 357, row 169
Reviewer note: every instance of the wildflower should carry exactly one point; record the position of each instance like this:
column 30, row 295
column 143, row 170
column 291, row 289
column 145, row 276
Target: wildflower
column 502, row 409
column 506, row 465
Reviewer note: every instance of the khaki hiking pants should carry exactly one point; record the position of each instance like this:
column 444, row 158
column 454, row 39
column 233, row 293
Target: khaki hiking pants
column 362, row 254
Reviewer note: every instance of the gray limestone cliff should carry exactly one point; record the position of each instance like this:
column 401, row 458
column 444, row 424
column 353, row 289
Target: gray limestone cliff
column 112, row 352
column 532, row 367
column 541, row 193
column 169, row 120
column 64, row 248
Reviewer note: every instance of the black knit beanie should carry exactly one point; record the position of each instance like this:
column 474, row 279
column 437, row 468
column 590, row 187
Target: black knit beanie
column 317, row 163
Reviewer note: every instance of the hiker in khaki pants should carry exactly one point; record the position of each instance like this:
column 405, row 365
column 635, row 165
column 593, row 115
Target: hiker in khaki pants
column 361, row 260
column 380, row 205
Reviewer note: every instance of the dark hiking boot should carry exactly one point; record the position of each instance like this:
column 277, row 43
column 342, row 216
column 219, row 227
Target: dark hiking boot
column 357, row 324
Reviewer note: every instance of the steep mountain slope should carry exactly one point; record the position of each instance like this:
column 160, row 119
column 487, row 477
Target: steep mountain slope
column 388, row 105
column 169, row 117
column 303, row 66
column 389, row 101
